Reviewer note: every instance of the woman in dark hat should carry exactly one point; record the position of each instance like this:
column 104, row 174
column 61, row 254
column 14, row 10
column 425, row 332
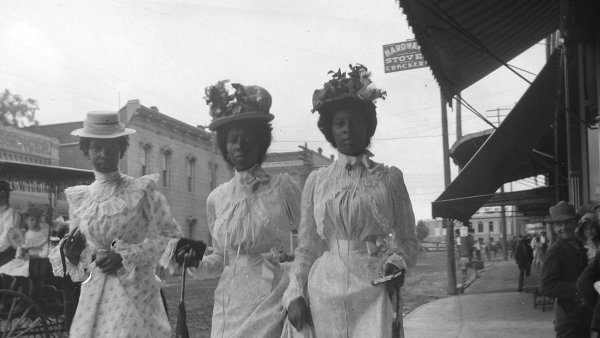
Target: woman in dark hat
column 9, row 218
column 357, row 222
column 250, row 218
column 121, row 227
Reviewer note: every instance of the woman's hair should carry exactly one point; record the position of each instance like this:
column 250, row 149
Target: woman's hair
column 260, row 129
column 580, row 230
column 365, row 109
column 85, row 142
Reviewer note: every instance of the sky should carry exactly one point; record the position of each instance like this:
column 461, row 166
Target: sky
column 78, row 56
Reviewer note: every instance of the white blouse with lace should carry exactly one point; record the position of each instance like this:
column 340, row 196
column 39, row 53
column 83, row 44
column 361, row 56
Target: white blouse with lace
column 130, row 217
column 250, row 217
column 356, row 216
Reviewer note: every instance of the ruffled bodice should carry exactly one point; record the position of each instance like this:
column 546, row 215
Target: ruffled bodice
column 130, row 217
column 96, row 207
column 124, row 214
column 355, row 202
column 254, row 212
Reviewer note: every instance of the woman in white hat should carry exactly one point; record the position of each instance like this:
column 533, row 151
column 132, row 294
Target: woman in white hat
column 120, row 228
column 250, row 217
column 357, row 222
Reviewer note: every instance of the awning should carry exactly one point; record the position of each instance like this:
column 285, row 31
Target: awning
column 42, row 178
column 538, row 162
column 459, row 37
column 500, row 156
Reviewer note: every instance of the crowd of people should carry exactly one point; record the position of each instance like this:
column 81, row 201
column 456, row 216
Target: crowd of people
column 354, row 218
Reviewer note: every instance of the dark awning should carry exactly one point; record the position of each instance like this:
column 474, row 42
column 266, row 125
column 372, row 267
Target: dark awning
column 500, row 156
column 42, row 178
column 459, row 37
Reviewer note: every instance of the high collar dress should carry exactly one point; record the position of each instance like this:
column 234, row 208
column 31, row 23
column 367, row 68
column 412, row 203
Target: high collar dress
column 131, row 217
column 356, row 216
column 250, row 218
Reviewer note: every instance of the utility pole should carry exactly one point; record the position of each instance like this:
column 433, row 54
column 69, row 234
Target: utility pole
column 458, row 117
column 502, row 208
column 498, row 115
column 447, row 222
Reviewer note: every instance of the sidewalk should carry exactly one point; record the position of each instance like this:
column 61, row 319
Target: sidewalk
column 490, row 307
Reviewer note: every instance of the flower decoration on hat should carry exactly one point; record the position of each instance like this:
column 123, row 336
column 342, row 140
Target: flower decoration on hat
column 355, row 84
column 231, row 102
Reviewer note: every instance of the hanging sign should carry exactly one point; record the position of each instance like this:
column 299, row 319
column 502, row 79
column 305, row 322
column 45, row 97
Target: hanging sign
column 403, row 56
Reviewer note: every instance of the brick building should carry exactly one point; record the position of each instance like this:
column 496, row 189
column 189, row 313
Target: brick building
column 298, row 164
column 184, row 156
column 20, row 145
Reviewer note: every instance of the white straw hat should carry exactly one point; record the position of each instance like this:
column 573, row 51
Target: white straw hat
column 102, row 124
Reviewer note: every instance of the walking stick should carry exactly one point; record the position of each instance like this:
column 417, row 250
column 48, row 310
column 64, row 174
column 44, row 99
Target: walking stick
column 181, row 330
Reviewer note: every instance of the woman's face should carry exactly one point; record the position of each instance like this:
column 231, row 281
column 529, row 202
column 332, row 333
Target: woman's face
column 589, row 231
column 33, row 223
column 349, row 132
column 104, row 154
column 242, row 147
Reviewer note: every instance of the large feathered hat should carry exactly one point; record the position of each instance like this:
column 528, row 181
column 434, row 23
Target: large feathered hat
column 355, row 84
column 232, row 102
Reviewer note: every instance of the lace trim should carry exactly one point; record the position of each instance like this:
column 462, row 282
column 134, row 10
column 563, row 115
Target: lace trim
column 128, row 197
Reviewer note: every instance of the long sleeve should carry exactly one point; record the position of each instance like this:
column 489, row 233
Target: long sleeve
column 77, row 272
column 161, row 238
column 552, row 281
column 585, row 282
column 211, row 265
column 292, row 195
column 310, row 245
column 404, row 235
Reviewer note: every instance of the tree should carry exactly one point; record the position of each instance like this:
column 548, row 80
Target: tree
column 16, row 111
column 422, row 231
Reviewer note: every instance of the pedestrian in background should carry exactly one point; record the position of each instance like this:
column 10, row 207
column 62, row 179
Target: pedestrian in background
column 565, row 260
column 478, row 248
column 513, row 245
column 249, row 218
column 523, row 257
column 588, row 233
column 536, row 246
column 488, row 251
column 9, row 218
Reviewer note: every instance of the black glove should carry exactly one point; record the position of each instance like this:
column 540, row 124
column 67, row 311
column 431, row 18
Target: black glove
column 190, row 251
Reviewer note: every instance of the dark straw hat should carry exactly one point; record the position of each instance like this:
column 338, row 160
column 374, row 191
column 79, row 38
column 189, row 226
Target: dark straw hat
column 34, row 211
column 561, row 212
column 232, row 102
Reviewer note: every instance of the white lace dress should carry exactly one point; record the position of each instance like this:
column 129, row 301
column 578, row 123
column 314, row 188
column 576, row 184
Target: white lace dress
column 356, row 215
column 249, row 217
column 131, row 217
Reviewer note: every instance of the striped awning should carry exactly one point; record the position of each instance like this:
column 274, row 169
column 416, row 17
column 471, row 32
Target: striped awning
column 465, row 40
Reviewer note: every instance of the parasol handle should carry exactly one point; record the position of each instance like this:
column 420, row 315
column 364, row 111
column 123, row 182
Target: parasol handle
column 183, row 279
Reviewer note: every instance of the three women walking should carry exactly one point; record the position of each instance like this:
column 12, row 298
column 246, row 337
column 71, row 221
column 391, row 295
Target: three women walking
column 354, row 218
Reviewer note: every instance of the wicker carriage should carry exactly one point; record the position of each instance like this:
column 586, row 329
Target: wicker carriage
column 40, row 305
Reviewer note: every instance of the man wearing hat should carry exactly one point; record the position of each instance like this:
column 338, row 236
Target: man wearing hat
column 564, row 261
column 9, row 218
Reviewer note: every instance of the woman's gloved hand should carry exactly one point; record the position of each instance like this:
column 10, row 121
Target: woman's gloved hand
column 189, row 251
column 299, row 314
column 73, row 245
